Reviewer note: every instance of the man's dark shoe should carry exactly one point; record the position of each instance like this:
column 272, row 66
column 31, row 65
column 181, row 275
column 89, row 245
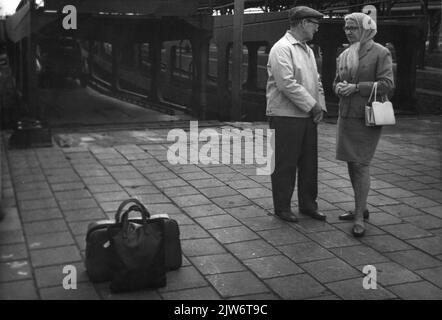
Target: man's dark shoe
column 351, row 216
column 287, row 216
column 314, row 214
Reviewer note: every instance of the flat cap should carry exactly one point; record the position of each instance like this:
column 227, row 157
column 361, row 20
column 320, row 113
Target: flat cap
column 302, row 12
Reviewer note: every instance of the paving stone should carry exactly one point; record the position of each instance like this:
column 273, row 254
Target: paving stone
column 396, row 193
column 263, row 223
column 258, row 296
column 432, row 245
column 204, row 210
column 80, row 227
column 40, row 214
column 353, row 290
column 433, row 194
column 247, row 212
column 297, row 287
column 48, row 226
column 161, row 176
column 126, row 175
column 77, row 204
column 253, row 193
column 220, row 221
column 104, row 292
column 243, row 184
column 433, row 275
column 220, row 191
column 305, row 252
column 37, row 204
column 104, row 188
column 330, row 270
column 84, row 214
column 414, row 259
column 333, row 239
column 359, row 255
column 370, row 230
column 84, row 291
column 180, row 191
column 251, row 249
column 34, row 194
column 380, row 200
column 111, row 196
column 214, row 264
column 309, row 225
column 134, row 182
column 385, row 243
column 49, row 240
column 11, row 252
column 406, row 231
column 283, row 236
column 163, row 208
column 231, row 201
column 425, row 221
column 419, row 202
column 192, row 231
column 236, row 284
column 191, row 200
column 266, row 203
column 153, row 198
column 89, row 181
column 183, row 278
column 382, row 219
column 391, row 273
column 435, row 211
column 411, row 185
column 136, row 190
column 272, row 266
column 18, row 290
column 53, row 275
column 201, row 247
column 72, row 194
column 188, row 176
column 206, row 183
column 233, row 234
column 334, row 197
column 205, row 293
column 110, row 208
column 46, row 257
column 15, row 270
column 171, row 183
column 11, row 237
column 417, row 291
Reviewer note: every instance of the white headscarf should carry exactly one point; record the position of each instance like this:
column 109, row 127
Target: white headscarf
column 349, row 61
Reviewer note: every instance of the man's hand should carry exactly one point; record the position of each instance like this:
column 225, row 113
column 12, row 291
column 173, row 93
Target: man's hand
column 317, row 113
column 318, row 117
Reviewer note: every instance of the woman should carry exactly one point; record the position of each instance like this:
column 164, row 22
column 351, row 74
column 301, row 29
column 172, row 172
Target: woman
column 362, row 64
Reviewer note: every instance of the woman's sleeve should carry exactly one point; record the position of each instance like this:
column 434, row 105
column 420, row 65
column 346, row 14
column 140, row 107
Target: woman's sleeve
column 384, row 75
column 337, row 78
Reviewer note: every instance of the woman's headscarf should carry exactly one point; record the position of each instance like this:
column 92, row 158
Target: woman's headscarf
column 349, row 61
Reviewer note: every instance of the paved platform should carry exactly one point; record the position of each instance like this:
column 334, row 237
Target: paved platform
column 233, row 246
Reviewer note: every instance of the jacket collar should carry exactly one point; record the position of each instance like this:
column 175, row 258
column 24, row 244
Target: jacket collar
column 289, row 36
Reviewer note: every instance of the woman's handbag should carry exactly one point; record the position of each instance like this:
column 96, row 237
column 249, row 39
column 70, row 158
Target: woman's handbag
column 379, row 113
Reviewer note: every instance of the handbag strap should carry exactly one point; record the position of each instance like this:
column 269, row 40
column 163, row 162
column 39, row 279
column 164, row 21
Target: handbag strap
column 375, row 90
column 137, row 206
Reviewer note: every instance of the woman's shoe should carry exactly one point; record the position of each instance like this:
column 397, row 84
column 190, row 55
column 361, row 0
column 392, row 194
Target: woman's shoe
column 358, row 230
column 351, row 216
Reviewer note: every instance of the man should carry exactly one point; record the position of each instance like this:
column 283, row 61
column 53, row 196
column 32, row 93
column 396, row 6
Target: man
column 295, row 105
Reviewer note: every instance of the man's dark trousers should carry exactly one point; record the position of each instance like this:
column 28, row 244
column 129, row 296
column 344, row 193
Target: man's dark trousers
column 296, row 149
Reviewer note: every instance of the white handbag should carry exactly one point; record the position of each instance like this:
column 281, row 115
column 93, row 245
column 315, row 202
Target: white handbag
column 379, row 113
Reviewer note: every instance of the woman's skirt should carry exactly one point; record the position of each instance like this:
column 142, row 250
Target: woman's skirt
column 355, row 142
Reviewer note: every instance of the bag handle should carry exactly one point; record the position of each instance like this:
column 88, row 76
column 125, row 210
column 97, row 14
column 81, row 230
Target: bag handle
column 375, row 90
column 138, row 206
